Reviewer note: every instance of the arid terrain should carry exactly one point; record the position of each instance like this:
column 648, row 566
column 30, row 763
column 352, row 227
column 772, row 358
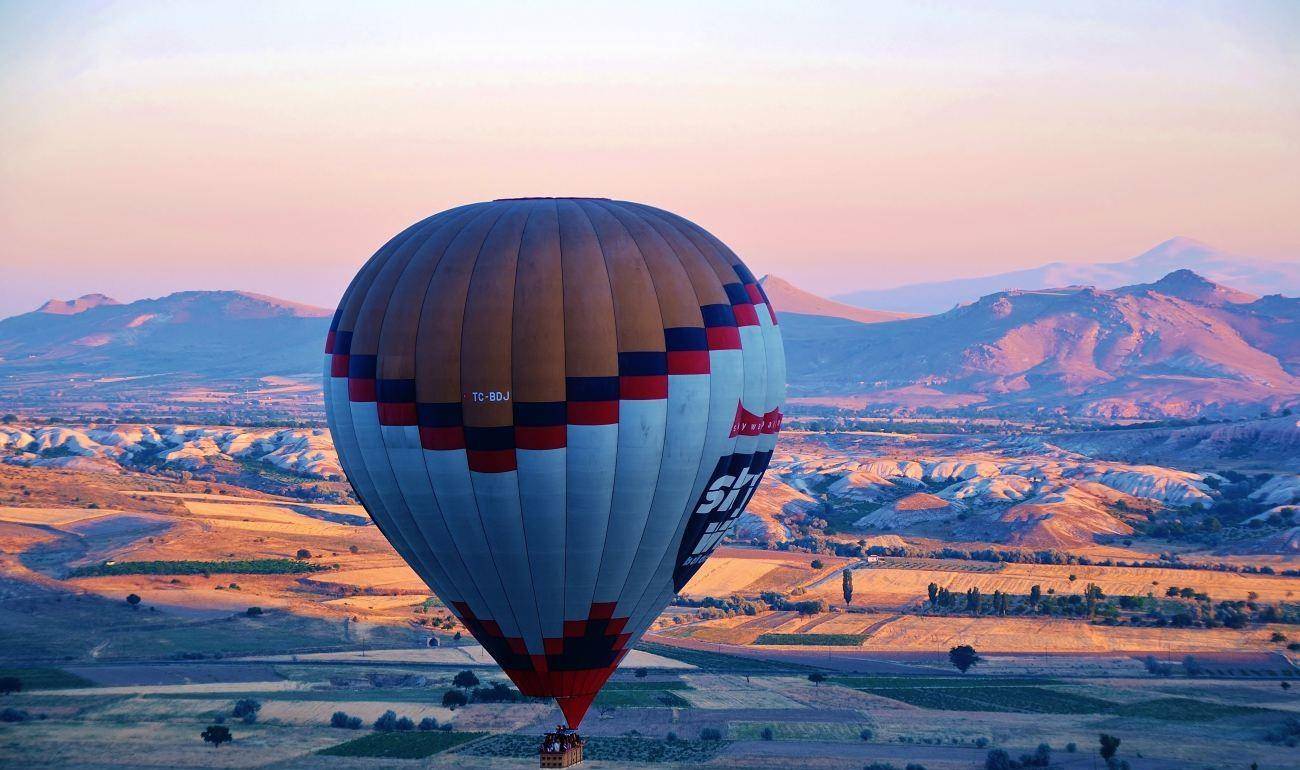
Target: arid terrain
column 177, row 542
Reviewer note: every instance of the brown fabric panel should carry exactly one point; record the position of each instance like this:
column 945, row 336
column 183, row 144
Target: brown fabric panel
column 699, row 268
column 538, row 329
column 437, row 368
column 355, row 296
column 370, row 316
column 678, row 306
column 401, row 321
column 489, row 312
column 590, row 338
column 636, row 307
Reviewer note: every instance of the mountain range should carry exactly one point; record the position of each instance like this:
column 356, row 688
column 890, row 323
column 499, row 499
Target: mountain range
column 1258, row 276
column 190, row 333
column 1178, row 346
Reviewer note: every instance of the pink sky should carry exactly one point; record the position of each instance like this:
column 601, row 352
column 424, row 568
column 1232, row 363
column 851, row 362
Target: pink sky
column 148, row 149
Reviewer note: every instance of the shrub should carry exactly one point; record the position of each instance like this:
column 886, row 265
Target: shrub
column 963, row 656
column 998, row 759
column 427, row 724
column 14, row 715
column 341, row 720
column 1109, row 745
column 387, row 722
column 465, row 679
column 253, row 612
column 767, row 734
column 453, row 698
column 710, row 734
column 303, row 553
column 133, row 600
column 216, row 735
column 817, row 564
column 866, row 734
column 246, row 709
column 642, row 673
column 671, row 737
column 1071, row 747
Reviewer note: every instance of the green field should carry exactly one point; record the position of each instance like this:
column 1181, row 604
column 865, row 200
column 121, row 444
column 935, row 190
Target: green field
column 796, row 731
column 1042, row 700
column 413, row 745
column 640, row 698
column 45, row 678
column 602, row 749
column 824, row 640
column 720, row 663
column 234, row 567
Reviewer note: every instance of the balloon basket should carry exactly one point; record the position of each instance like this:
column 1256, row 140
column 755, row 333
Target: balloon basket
column 561, row 748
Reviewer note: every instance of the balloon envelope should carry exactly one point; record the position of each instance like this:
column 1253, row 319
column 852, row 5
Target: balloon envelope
column 554, row 409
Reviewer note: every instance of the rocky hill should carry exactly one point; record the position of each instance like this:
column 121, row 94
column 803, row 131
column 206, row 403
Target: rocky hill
column 788, row 298
column 226, row 333
column 1180, row 346
column 1258, row 276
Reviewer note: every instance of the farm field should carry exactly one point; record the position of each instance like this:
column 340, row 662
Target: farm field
column 895, row 633
column 882, row 584
column 939, row 720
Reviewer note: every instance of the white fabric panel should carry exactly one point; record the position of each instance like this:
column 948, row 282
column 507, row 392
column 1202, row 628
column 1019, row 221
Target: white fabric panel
column 684, row 433
column 726, row 378
column 370, row 442
column 449, row 476
column 406, row 457
column 499, row 510
column 541, row 478
column 641, row 428
column 591, row 459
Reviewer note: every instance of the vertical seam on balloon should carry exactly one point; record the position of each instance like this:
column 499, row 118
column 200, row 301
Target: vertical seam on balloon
column 523, row 530
column 611, row 210
column 613, row 302
column 478, row 511
column 658, row 223
column 409, row 233
column 423, row 550
column 467, row 216
column 564, row 343
column 423, row 301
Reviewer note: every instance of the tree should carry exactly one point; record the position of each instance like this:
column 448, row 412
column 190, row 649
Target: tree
column 453, row 698
column 387, row 722
column 253, row 612
column 817, row 678
column 933, row 590
column 817, row 564
column 133, row 600
column 710, row 734
column 303, row 553
column 998, row 759
column 963, row 656
column 246, row 709
column 465, row 679
column 847, row 585
column 10, row 684
column 1035, row 594
column 216, row 735
column 767, row 734
column 642, row 673
column 404, row 725
column 1109, row 745
column 341, row 720
column 428, row 724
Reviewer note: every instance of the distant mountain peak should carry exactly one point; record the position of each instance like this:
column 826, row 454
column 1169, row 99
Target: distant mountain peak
column 1189, row 285
column 79, row 305
column 788, row 298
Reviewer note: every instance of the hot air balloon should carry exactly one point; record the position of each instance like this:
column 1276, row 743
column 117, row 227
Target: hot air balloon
column 554, row 409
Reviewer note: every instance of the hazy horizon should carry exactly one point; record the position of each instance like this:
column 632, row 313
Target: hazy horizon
column 156, row 149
